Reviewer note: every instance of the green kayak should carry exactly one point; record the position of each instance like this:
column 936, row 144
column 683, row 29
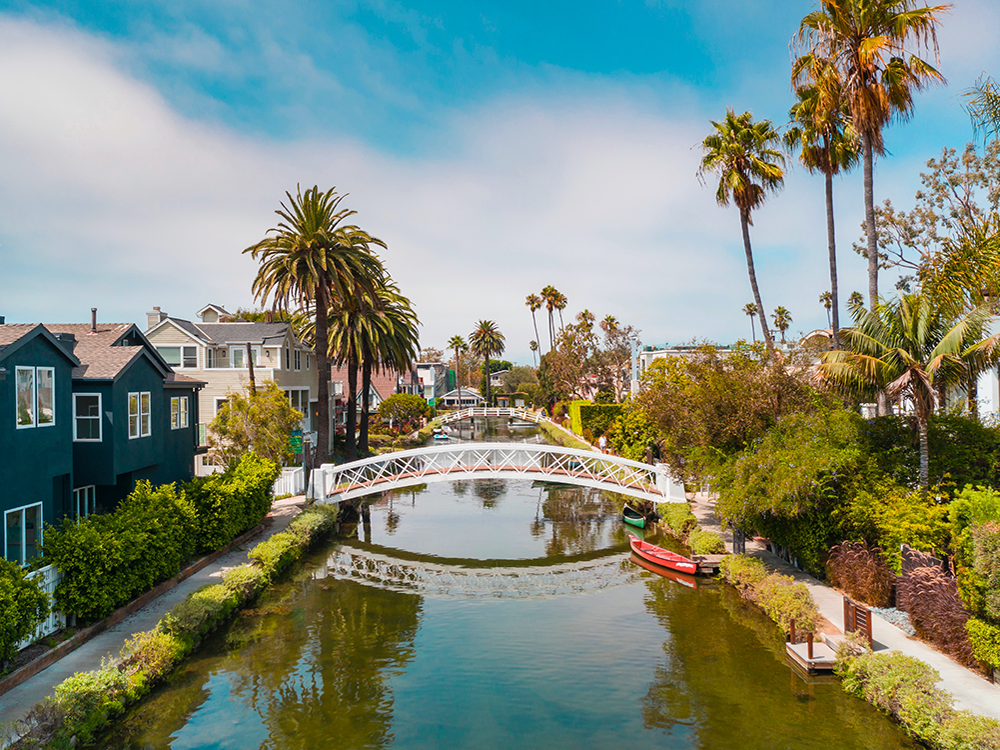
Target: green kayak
column 633, row 517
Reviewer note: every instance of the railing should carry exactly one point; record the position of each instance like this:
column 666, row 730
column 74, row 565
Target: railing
column 48, row 577
column 494, row 411
column 292, row 481
column 334, row 483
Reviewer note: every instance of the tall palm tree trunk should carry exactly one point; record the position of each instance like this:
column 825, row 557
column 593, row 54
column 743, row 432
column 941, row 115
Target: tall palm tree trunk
column 351, row 438
column 831, row 238
column 366, row 389
column 534, row 322
column 745, row 224
column 486, row 369
column 458, row 379
column 323, row 369
column 866, row 145
column 753, row 331
column 922, row 420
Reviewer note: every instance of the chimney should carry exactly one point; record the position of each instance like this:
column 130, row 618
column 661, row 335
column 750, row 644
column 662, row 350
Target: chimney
column 93, row 320
column 154, row 317
column 68, row 341
column 3, row 320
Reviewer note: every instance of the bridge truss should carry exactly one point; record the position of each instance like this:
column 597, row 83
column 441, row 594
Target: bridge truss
column 481, row 411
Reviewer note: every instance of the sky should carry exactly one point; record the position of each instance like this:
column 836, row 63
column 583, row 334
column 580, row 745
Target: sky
column 496, row 147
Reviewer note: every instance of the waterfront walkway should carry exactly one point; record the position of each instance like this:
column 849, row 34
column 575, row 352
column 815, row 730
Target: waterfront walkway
column 16, row 703
column 971, row 692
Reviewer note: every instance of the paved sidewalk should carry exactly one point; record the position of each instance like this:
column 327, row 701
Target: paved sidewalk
column 971, row 692
column 16, row 703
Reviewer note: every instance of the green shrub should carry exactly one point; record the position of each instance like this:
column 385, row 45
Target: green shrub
column 706, row 543
column 23, row 605
column 200, row 612
column 972, row 507
column 985, row 639
column 275, row 554
column 151, row 654
column 88, row 699
column 246, row 581
column 678, row 518
column 745, row 573
column 597, row 418
column 986, row 556
column 313, row 522
column 779, row 596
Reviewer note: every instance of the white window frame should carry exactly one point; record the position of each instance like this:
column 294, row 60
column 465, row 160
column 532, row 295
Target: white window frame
column 211, row 358
column 178, row 412
column 307, row 360
column 254, row 352
column 219, row 401
column 100, row 420
column 24, row 535
column 184, row 354
column 89, row 496
column 139, row 432
column 298, row 360
column 34, row 397
column 38, row 392
column 288, row 358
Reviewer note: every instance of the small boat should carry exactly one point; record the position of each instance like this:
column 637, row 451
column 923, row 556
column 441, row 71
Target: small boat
column 633, row 517
column 441, row 436
column 659, row 556
column 682, row 578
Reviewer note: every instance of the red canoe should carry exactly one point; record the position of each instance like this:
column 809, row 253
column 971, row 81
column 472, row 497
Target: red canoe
column 659, row 556
column 683, row 578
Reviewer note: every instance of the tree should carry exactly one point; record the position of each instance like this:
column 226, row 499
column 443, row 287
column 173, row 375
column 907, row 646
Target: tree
column 313, row 260
column 741, row 153
column 826, row 299
column 750, row 309
column 23, row 606
column 533, row 345
column 909, row 349
column 827, row 144
column 551, row 297
column 485, row 341
column 262, row 422
column 983, row 106
column 431, row 354
column 516, row 377
column 782, row 319
column 534, row 303
column 457, row 343
column 873, row 45
column 403, row 411
column 856, row 298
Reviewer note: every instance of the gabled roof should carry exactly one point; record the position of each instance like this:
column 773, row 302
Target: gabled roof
column 101, row 353
column 218, row 308
column 15, row 335
column 237, row 332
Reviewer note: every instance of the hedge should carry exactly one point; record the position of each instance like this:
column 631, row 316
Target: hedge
column 704, row 542
column 985, row 640
column 779, row 596
column 597, row 418
column 107, row 560
column 905, row 688
column 87, row 702
column 681, row 522
column 23, row 605
column 561, row 437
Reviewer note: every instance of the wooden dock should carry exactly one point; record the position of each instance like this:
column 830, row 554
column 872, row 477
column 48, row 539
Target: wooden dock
column 811, row 657
column 707, row 564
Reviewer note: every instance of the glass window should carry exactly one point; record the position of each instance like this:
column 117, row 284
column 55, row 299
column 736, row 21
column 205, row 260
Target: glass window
column 23, row 533
column 307, row 361
column 13, row 522
column 190, row 356
column 85, row 501
column 87, row 416
column 210, row 358
column 298, row 360
column 237, row 357
column 144, row 425
column 171, row 354
column 175, row 412
column 25, row 391
column 288, row 358
column 184, row 411
column 45, row 378
column 133, row 415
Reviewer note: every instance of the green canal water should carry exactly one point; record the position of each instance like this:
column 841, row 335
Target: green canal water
column 495, row 614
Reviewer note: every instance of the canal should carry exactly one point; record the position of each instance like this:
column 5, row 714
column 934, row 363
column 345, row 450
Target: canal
column 495, row 614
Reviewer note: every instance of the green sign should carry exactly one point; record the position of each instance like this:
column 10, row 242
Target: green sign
column 295, row 441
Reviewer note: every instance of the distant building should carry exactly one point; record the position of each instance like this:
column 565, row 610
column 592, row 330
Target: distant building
column 470, row 397
column 433, row 377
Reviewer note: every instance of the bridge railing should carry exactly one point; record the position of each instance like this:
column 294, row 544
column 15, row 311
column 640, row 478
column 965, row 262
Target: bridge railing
column 494, row 411
column 549, row 462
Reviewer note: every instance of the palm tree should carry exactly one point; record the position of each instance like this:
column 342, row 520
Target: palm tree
column 827, row 144
column 907, row 348
column 750, row 309
column 856, row 298
column 551, row 296
column 457, row 343
column 534, row 302
column 561, row 303
column 312, row 260
column 741, row 152
column 782, row 319
column 873, row 44
column 826, row 299
column 983, row 106
column 533, row 345
column 486, row 341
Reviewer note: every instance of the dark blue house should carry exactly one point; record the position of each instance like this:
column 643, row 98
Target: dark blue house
column 36, row 435
column 86, row 411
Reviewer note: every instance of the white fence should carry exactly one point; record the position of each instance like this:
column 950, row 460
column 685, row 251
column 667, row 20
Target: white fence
column 494, row 411
column 48, row 577
column 291, row 482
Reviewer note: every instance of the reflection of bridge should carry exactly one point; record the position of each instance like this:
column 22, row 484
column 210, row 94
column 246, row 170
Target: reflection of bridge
column 481, row 411
column 332, row 483
column 433, row 579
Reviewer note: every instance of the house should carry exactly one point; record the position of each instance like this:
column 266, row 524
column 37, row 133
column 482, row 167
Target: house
column 217, row 350
column 36, row 435
column 133, row 417
column 496, row 378
column 517, row 400
column 435, row 379
column 469, row 397
column 384, row 383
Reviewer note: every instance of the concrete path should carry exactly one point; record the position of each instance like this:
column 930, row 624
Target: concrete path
column 16, row 703
column 971, row 692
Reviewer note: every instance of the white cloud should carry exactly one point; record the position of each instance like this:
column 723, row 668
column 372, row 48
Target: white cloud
column 113, row 199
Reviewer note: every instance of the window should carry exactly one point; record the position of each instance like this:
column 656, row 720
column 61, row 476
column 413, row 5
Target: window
column 307, row 361
column 22, row 529
column 85, row 501
column 35, row 396
column 178, row 412
column 190, row 358
column 87, row 417
column 211, row 358
column 288, row 358
column 298, row 360
column 237, row 357
column 219, row 403
column 25, row 397
column 138, row 415
column 179, row 356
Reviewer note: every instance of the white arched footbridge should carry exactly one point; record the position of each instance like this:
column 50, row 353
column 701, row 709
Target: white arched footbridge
column 494, row 411
column 332, row 483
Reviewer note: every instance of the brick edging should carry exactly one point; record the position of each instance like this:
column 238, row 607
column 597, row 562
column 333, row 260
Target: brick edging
column 70, row 645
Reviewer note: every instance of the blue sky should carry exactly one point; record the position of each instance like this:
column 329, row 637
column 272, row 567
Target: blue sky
column 497, row 147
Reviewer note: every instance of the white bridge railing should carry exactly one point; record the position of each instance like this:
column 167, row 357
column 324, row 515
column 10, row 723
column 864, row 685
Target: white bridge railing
column 494, row 411
column 333, row 483
column 48, row 578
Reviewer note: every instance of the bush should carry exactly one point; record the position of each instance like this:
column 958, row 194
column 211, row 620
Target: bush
column 862, row 572
column 678, row 518
column 150, row 655
column 23, row 605
column 275, row 554
column 986, row 555
column 985, row 640
column 246, row 581
column 931, row 598
column 88, row 699
column 706, row 543
column 598, row 418
column 779, row 596
column 745, row 573
column 200, row 612
column 905, row 688
column 313, row 522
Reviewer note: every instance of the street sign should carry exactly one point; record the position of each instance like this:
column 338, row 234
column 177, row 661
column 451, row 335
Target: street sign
column 295, row 441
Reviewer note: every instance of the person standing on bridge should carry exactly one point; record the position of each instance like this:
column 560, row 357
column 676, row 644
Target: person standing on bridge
column 602, row 443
